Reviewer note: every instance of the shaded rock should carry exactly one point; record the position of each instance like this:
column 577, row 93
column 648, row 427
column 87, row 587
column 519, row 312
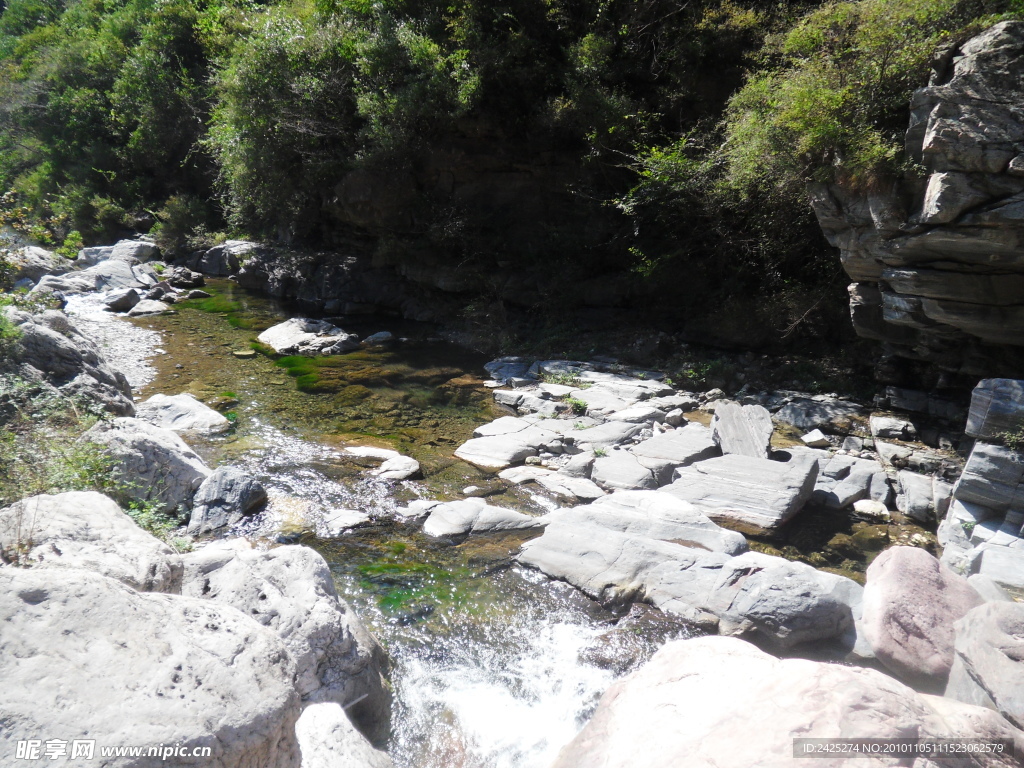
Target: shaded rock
column 911, row 602
column 750, row 495
column 304, row 336
column 742, row 429
column 505, row 368
column 87, row 657
column 51, row 351
column 826, row 414
column 889, row 428
column 455, row 519
column 222, row 260
column 32, row 262
column 327, row 739
column 687, row 705
column 845, row 480
column 290, row 591
column 89, row 531
column 987, row 667
column 182, row 277
column 680, row 447
column 121, row 299
column 922, row 498
column 151, row 464
column 224, row 498
column 197, row 295
column 181, row 413
column 997, row 406
column 376, row 339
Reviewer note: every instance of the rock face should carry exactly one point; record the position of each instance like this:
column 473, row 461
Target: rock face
column 327, row 739
column 304, row 336
column 223, row 499
column 182, row 413
column 997, row 406
column 53, row 352
column 937, row 265
column 290, row 591
column 987, row 668
column 911, row 603
column 87, row 657
column 150, row 464
column 86, row 530
column 689, row 703
column 743, row 429
column 754, row 496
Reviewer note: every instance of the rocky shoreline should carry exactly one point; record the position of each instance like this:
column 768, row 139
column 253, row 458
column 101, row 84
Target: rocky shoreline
column 657, row 495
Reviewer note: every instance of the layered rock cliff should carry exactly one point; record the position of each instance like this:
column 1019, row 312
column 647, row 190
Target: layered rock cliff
column 937, row 259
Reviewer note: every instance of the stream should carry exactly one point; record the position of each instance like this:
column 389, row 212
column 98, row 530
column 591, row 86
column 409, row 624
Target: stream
column 489, row 666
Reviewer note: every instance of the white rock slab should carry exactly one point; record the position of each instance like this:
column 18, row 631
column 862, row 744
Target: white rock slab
column 182, row 413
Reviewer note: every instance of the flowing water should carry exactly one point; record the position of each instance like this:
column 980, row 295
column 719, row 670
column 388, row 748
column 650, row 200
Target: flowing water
column 491, row 665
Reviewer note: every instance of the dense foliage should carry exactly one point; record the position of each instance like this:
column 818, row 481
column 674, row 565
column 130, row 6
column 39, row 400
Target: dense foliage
column 662, row 138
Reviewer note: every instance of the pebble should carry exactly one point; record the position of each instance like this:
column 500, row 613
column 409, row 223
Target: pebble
column 244, row 353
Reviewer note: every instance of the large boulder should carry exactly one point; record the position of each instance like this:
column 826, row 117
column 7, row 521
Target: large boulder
column 781, row 602
column 754, row 496
column 150, row 464
column 911, row 603
column 988, row 666
column 743, row 429
column 327, row 739
column 51, row 351
column 86, row 657
column 107, row 275
column 222, row 260
column 224, row 498
column 721, row 702
column 290, row 590
column 32, row 262
column 305, row 336
column 87, row 530
column 182, row 413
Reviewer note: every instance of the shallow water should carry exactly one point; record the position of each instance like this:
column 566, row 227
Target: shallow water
column 487, row 669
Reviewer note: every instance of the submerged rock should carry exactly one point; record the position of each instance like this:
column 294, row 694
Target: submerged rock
column 304, row 336
column 715, row 701
column 86, row 657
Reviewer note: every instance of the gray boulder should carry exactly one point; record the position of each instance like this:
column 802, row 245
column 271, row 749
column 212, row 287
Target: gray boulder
column 51, row 351
column 290, row 591
column 827, row 414
column 997, row 406
column 680, row 447
column 31, row 263
column 496, row 452
column 181, row 413
column 121, row 299
column 304, row 336
column 844, row 480
column 714, row 701
column 222, row 260
column 890, row 428
column 148, row 307
column 86, row 657
column 922, row 498
column 106, row 276
column 224, row 498
column 911, row 603
column 327, row 739
column 987, row 666
column 150, row 464
column 181, row 277
column 87, row 530
column 603, row 435
column 134, row 250
column 455, row 519
column 754, row 496
column 505, row 368
column 743, row 429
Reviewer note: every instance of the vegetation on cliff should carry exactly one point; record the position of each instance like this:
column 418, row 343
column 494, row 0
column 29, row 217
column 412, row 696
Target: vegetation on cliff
column 666, row 140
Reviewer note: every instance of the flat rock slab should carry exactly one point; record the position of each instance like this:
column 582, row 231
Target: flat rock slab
column 453, row 519
column 603, row 435
column 290, row 591
column 495, row 452
column 87, row 657
column 997, row 406
column 182, row 413
column 742, row 429
column 687, row 706
column 911, row 603
column 624, row 470
column 1003, row 565
column 988, row 665
column 680, row 447
column 570, row 488
column 305, row 336
column 87, row 530
column 755, row 496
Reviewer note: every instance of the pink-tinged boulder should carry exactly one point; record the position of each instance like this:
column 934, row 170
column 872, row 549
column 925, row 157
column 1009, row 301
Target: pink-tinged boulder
column 911, row 603
column 719, row 702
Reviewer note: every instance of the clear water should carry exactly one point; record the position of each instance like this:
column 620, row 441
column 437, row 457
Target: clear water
column 487, row 655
